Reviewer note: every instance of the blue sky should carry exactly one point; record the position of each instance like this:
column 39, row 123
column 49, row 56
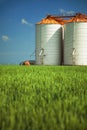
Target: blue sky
column 17, row 24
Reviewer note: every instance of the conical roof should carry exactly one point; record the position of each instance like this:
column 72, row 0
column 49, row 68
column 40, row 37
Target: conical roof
column 78, row 18
column 51, row 20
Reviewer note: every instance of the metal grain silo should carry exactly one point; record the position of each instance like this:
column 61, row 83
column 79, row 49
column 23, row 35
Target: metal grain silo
column 48, row 44
column 75, row 43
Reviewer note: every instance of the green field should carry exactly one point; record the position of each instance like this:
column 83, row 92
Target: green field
column 43, row 97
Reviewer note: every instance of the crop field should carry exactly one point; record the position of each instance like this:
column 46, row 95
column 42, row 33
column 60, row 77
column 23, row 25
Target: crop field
column 43, row 97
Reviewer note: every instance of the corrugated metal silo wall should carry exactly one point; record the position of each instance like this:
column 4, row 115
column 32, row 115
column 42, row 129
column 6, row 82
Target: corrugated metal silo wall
column 75, row 43
column 48, row 44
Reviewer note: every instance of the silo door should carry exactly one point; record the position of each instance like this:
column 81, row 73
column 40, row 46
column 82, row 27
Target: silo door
column 74, row 55
column 41, row 56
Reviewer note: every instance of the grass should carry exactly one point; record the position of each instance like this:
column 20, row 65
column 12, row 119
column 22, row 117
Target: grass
column 43, row 97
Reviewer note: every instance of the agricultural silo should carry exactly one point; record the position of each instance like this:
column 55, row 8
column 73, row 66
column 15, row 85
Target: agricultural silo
column 48, row 43
column 75, row 42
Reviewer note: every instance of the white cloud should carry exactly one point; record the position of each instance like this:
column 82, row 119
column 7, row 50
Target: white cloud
column 24, row 21
column 64, row 12
column 70, row 12
column 5, row 38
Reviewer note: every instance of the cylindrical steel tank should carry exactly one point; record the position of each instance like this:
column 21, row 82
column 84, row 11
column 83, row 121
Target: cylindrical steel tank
column 75, row 43
column 48, row 44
